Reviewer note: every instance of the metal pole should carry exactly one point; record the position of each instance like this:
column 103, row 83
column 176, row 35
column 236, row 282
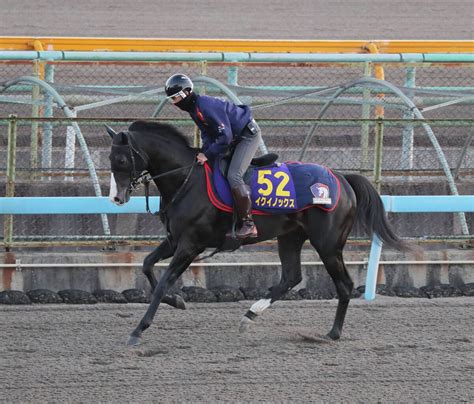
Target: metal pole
column 80, row 138
column 10, row 185
column 46, row 156
column 364, row 136
column 232, row 75
column 373, row 268
column 378, row 153
column 35, row 97
column 419, row 115
column 464, row 150
column 467, row 57
column 407, row 140
column 202, row 90
column 70, row 152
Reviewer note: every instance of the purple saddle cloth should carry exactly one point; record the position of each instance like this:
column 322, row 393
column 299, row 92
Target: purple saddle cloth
column 285, row 188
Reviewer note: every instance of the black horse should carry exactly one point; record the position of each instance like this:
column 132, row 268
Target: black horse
column 194, row 224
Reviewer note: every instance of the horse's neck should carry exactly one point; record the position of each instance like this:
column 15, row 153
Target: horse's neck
column 162, row 163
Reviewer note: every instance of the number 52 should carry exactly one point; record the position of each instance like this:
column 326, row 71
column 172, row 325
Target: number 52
column 266, row 187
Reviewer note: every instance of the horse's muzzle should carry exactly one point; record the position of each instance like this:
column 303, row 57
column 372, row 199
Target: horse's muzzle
column 118, row 201
column 121, row 198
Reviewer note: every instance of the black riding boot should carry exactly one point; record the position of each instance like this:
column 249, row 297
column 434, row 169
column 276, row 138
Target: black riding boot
column 243, row 207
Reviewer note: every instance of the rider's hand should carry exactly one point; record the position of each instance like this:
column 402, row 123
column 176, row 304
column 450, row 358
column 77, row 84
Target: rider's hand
column 201, row 158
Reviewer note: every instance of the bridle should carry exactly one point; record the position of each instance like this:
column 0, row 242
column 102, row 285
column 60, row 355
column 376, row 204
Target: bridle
column 144, row 177
column 135, row 178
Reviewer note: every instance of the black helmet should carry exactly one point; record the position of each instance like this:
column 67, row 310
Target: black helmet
column 178, row 83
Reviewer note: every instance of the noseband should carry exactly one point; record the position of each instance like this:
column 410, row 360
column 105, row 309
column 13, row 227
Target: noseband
column 144, row 177
column 135, row 178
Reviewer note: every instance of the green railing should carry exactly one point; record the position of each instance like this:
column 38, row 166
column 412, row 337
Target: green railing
column 410, row 133
column 52, row 180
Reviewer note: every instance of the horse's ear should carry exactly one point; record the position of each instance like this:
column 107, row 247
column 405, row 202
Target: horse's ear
column 123, row 138
column 110, row 131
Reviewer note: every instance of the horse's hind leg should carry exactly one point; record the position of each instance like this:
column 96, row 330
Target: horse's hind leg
column 336, row 268
column 289, row 250
column 344, row 286
column 163, row 251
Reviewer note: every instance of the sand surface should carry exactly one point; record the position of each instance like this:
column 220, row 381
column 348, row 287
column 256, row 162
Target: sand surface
column 246, row 19
column 392, row 350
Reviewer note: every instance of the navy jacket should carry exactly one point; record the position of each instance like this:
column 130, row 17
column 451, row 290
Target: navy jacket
column 220, row 123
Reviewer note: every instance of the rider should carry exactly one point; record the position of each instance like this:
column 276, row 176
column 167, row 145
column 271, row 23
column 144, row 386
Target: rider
column 222, row 125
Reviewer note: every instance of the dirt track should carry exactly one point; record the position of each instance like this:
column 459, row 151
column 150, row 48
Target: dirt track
column 263, row 19
column 393, row 349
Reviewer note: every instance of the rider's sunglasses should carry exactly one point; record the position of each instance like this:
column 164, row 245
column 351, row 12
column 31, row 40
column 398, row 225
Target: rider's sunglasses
column 181, row 94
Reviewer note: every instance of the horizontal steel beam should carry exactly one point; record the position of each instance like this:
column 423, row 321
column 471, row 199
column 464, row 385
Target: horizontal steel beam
column 73, row 205
column 420, row 203
column 238, row 57
column 231, row 45
column 429, row 203
column 99, row 205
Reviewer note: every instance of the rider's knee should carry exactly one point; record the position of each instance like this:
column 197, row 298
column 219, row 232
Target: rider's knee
column 235, row 179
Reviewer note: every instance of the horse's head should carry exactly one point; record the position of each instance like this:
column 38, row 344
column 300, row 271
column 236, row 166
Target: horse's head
column 126, row 163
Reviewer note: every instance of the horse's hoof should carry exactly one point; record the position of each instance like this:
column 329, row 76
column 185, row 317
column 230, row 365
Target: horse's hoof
column 245, row 324
column 318, row 339
column 133, row 341
column 333, row 336
column 179, row 301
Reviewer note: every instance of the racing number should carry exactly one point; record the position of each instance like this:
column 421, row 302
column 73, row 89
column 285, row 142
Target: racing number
column 262, row 180
column 284, row 180
column 267, row 188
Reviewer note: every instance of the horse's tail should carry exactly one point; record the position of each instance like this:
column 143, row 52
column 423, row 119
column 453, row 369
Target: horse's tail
column 371, row 212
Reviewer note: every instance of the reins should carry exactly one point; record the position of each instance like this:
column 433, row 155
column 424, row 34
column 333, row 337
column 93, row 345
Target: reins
column 146, row 182
column 145, row 178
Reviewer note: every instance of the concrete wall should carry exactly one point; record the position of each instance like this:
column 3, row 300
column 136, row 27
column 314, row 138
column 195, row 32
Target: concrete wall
column 259, row 276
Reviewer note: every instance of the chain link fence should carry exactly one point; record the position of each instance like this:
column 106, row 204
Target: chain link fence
column 288, row 100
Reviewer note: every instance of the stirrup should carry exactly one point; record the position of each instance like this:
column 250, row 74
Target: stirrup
column 248, row 230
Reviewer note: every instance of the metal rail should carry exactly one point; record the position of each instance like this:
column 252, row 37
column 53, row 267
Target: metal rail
column 416, row 112
column 19, row 43
column 237, row 57
column 70, row 114
column 19, row 265
column 401, row 204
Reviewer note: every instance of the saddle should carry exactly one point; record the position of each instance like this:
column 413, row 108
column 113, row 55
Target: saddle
column 261, row 161
column 277, row 188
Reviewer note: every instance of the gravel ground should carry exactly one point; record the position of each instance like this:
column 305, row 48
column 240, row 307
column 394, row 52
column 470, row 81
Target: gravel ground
column 246, row 19
column 392, row 350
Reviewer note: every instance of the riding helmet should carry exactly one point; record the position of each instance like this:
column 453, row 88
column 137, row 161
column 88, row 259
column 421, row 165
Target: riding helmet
column 177, row 83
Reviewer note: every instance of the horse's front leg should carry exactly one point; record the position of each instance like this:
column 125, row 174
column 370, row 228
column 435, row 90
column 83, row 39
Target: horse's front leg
column 182, row 258
column 165, row 250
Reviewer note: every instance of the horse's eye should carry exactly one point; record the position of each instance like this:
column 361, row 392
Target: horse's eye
column 122, row 161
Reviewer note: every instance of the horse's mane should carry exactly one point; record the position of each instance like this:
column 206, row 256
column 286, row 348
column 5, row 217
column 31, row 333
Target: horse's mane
column 170, row 131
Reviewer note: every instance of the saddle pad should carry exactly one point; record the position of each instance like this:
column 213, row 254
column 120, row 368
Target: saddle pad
column 280, row 188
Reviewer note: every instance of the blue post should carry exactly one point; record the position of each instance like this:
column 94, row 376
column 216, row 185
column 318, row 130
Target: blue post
column 373, row 268
column 232, row 75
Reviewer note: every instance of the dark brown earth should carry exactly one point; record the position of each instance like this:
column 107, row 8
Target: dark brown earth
column 392, row 350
